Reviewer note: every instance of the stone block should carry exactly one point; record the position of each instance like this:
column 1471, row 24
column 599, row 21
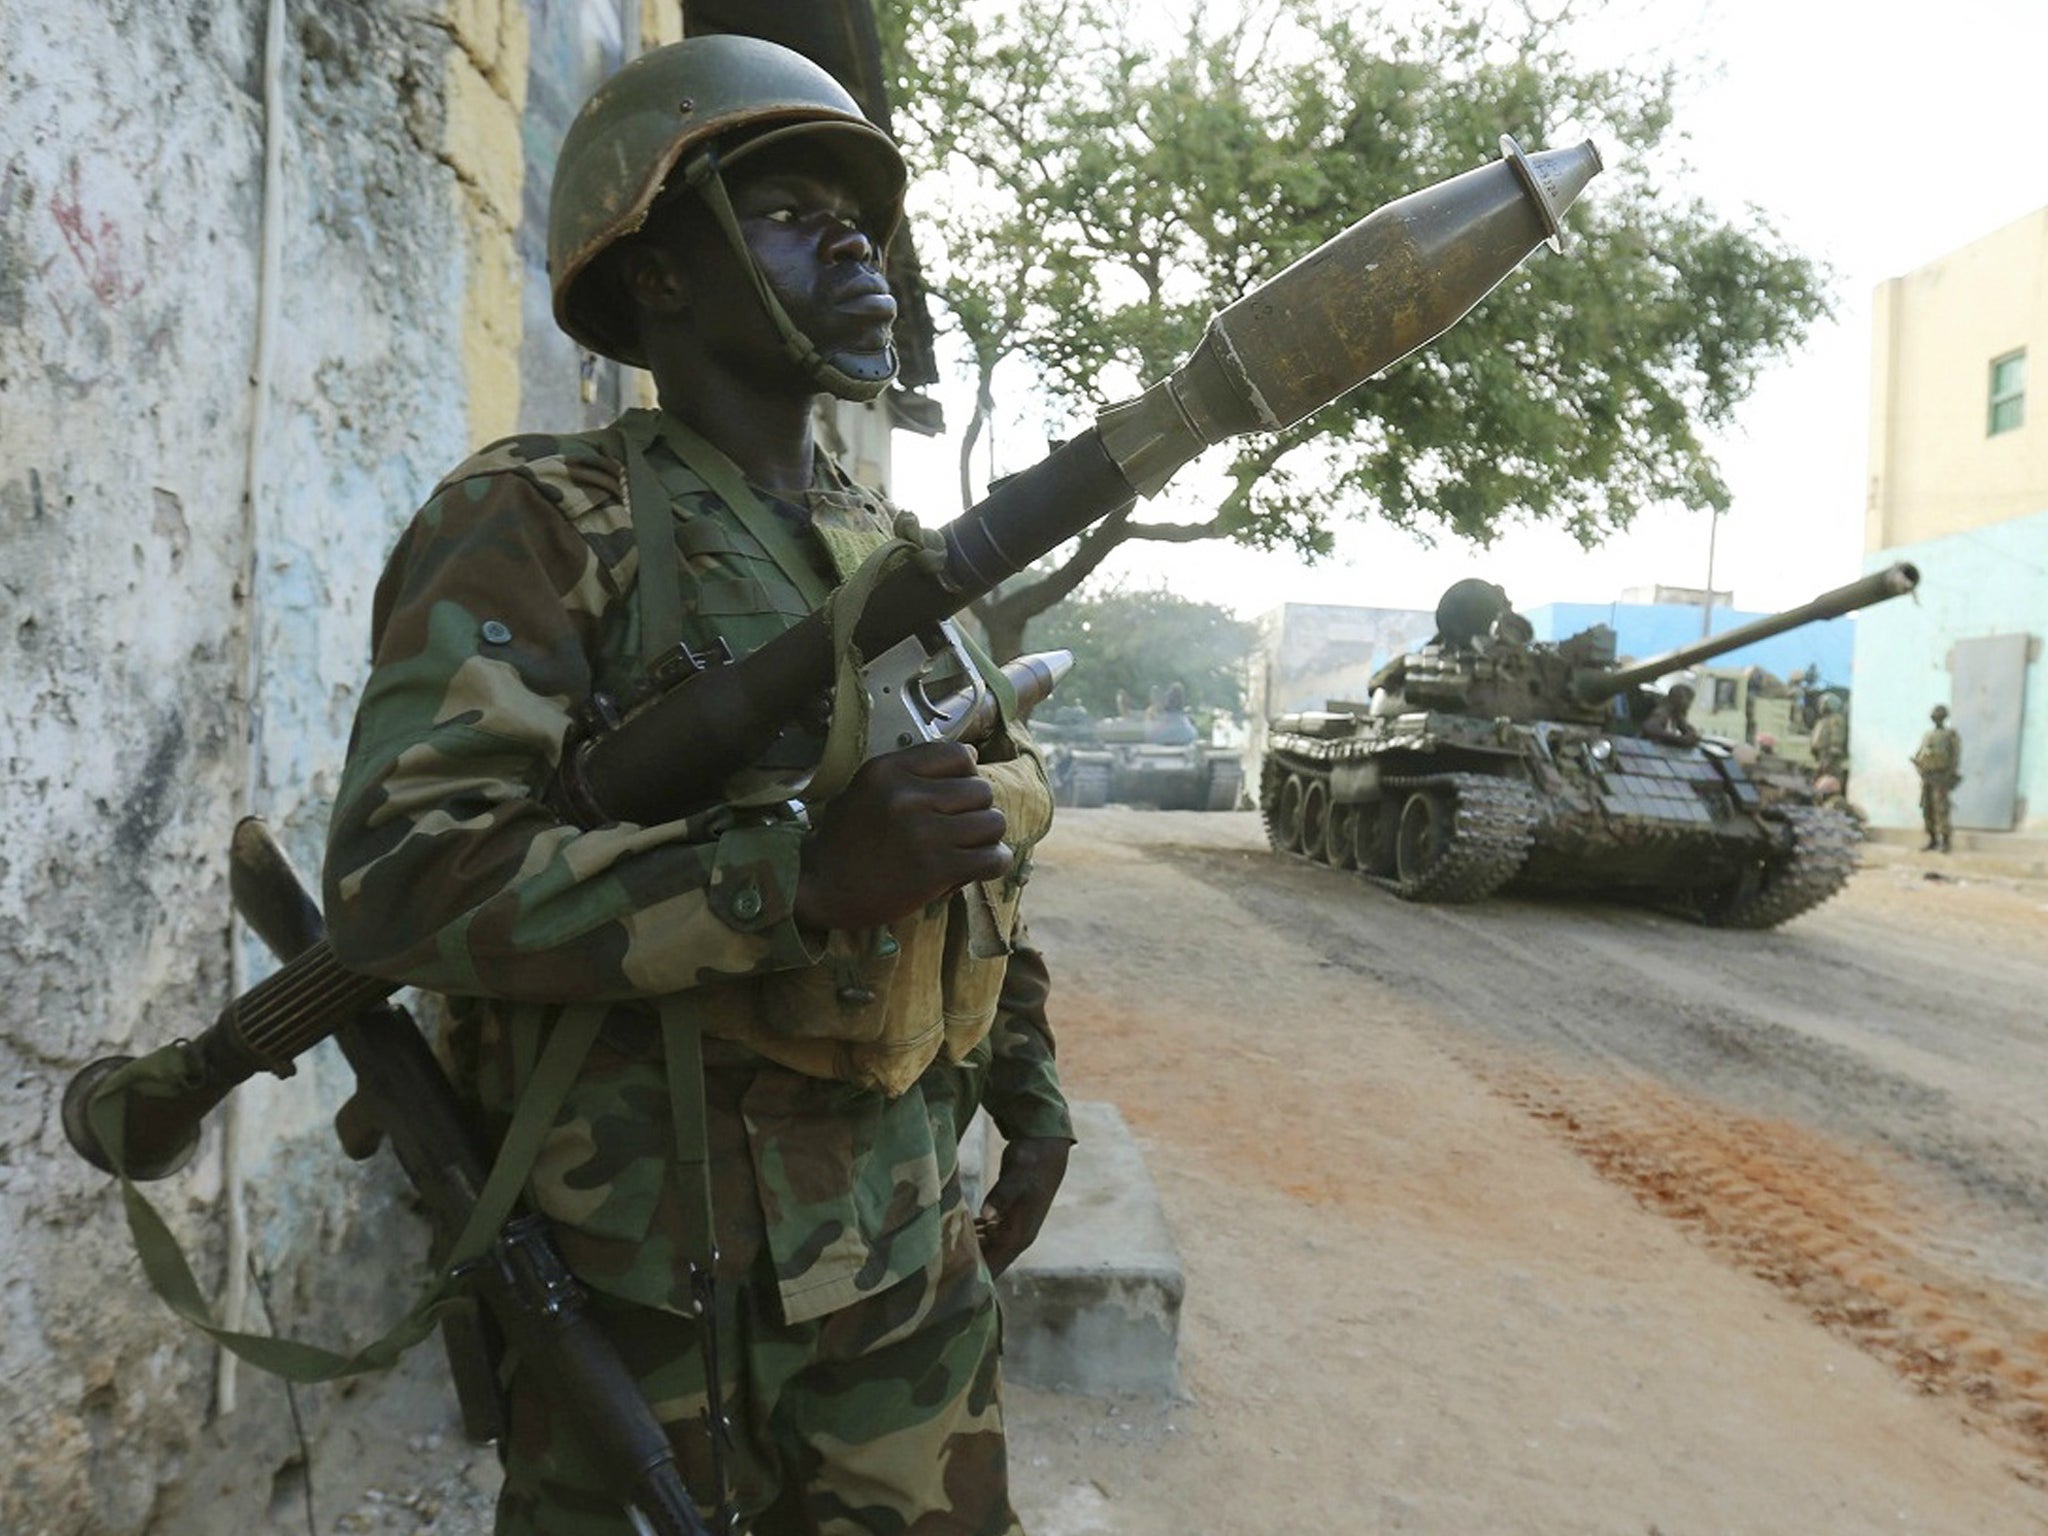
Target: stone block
column 1094, row 1305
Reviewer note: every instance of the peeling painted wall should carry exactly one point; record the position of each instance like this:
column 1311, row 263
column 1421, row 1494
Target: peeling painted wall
column 173, row 658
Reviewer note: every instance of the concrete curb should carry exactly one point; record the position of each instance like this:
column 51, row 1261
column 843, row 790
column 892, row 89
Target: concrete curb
column 1094, row 1306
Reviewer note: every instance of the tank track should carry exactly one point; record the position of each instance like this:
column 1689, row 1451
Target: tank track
column 1090, row 785
column 1270, row 775
column 1822, row 859
column 1493, row 825
column 1220, row 790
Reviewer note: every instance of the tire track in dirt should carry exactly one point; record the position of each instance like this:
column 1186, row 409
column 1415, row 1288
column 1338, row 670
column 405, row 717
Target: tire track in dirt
column 1718, row 1081
column 1836, row 1233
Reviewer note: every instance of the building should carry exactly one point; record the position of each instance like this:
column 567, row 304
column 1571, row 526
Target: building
column 1959, row 486
column 1308, row 654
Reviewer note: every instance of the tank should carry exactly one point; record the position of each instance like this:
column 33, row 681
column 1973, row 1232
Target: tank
column 1154, row 757
column 1488, row 757
column 1076, row 763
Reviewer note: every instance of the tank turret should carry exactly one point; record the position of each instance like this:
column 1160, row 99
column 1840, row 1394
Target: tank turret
column 1486, row 756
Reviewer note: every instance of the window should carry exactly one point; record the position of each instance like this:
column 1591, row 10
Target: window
column 2008, row 392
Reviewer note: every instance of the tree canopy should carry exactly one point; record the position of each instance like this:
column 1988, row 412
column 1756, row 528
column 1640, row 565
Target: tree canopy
column 1133, row 642
column 1085, row 201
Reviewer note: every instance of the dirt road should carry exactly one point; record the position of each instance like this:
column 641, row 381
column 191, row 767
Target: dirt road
column 1559, row 1218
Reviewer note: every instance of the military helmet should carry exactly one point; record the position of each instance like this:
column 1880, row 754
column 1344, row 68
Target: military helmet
column 1938, row 714
column 1831, row 704
column 694, row 107
column 1467, row 609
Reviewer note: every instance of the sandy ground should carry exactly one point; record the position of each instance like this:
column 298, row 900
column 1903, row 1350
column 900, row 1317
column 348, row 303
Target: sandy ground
column 1520, row 1217
column 1527, row 1217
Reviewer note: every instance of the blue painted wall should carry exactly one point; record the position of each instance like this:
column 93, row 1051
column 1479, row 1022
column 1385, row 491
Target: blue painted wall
column 1988, row 581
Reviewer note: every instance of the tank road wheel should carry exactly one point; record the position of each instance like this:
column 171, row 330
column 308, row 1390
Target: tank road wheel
column 1225, row 777
column 1422, row 836
column 1315, row 817
column 1372, row 838
column 1090, row 785
column 1285, row 827
column 1340, row 837
column 1456, row 837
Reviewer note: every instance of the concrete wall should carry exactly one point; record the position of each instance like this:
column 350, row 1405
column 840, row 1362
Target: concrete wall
column 1310, row 653
column 1934, row 467
column 1645, row 629
column 1988, row 581
column 174, row 657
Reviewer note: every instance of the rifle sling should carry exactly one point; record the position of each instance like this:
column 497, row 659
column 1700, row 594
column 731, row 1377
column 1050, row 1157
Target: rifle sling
column 170, row 1273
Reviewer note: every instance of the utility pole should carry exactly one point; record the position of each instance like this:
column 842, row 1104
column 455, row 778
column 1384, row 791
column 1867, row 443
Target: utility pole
column 1707, row 597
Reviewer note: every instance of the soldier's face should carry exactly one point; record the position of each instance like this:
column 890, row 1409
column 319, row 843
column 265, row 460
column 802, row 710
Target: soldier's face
column 803, row 226
column 807, row 232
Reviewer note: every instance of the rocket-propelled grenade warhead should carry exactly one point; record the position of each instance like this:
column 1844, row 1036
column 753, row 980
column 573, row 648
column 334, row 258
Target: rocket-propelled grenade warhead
column 1357, row 304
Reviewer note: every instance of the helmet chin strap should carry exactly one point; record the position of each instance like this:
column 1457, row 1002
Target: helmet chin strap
column 855, row 376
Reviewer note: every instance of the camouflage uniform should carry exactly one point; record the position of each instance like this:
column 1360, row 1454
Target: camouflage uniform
column 858, row 1336
column 1939, row 757
column 1830, row 747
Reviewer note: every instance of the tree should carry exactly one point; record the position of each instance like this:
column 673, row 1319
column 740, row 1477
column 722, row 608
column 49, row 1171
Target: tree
column 1085, row 203
column 1132, row 642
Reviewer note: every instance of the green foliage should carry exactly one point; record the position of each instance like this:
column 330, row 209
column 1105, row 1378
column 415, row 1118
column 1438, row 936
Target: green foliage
column 1085, row 203
column 1135, row 642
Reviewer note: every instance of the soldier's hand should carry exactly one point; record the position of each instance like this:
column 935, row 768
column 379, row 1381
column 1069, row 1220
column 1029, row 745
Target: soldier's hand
column 911, row 827
column 1015, row 1209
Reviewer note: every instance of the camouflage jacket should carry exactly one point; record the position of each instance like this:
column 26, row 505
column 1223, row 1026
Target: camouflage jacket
column 505, row 604
column 1940, row 753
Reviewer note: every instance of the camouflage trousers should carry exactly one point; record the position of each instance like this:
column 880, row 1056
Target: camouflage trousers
column 1934, row 796
column 883, row 1418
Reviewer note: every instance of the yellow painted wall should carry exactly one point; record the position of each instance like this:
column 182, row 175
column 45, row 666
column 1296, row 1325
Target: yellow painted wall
column 487, row 62
column 487, row 72
column 1934, row 467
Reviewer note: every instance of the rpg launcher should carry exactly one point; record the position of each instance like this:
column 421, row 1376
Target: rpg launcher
column 1354, row 306
column 1348, row 310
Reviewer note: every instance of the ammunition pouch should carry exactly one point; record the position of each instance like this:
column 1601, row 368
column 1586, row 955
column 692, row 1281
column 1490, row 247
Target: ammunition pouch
column 886, row 1003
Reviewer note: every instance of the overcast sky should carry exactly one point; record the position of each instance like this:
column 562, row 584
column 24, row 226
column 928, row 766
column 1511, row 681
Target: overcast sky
column 1875, row 138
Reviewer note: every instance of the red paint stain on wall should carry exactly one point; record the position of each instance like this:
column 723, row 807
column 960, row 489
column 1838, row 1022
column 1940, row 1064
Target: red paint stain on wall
column 95, row 245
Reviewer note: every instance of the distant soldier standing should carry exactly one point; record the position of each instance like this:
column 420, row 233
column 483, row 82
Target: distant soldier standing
column 1940, row 760
column 1830, row 743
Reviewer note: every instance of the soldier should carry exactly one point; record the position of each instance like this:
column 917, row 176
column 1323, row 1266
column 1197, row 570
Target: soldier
column 1668, row 722
column 776, row 1024
column 1939, row 758
column 1830, row 743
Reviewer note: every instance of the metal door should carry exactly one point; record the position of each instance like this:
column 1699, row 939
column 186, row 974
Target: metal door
column 1987, row 689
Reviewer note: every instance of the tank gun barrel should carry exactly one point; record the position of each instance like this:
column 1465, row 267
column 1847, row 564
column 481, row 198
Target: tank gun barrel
column 1892, row 581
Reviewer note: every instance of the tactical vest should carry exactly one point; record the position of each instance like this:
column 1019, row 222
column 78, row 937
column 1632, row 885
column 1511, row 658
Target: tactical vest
column 879, row 1006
